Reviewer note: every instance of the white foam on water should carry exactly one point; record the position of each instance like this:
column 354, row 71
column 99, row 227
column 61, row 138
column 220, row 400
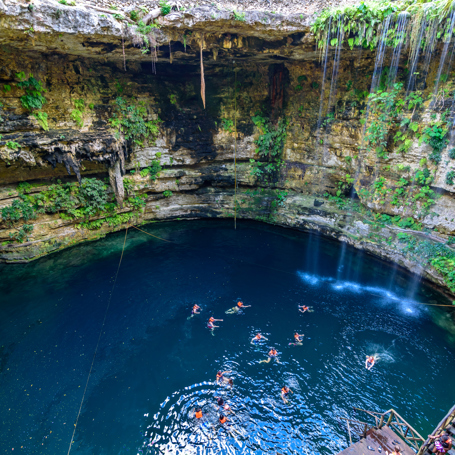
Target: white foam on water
column 406, row 305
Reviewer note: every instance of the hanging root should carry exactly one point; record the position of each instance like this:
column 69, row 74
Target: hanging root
column 202, row 74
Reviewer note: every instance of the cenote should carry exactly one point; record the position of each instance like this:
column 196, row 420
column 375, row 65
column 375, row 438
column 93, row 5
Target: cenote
column 155, row 364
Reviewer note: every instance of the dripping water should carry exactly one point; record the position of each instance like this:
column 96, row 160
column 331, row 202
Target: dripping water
column 400, row 34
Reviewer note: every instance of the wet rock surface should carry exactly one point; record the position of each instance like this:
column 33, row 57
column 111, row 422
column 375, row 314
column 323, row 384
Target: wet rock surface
column 263, row 65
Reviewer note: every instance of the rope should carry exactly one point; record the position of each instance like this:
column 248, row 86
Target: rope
column 98, row 343
column 151, row 235
column 235, row 149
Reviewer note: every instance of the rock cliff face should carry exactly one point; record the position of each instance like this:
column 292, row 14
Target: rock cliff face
column 121, row 135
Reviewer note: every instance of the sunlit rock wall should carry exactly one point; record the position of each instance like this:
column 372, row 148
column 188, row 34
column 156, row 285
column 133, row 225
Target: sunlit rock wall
column 265, row 65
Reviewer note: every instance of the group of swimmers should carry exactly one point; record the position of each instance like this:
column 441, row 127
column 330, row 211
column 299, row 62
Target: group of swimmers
column 221, row 377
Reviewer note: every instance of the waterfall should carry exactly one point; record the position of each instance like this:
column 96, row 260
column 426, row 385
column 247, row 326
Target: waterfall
column 415, row 57
column 400, row 39
column 380, row 55
column 324, row 72
column 448, row 39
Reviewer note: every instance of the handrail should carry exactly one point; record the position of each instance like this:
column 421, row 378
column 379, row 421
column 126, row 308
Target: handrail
column 398, row 424
column 443, row 424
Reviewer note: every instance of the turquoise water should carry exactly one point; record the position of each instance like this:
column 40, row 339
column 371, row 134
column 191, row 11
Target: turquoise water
column 155, row 364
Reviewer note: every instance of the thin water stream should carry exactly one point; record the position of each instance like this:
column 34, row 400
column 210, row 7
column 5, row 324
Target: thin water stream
column 156, row 363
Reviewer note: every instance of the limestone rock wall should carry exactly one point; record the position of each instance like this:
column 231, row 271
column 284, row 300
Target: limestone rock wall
column 323, row 177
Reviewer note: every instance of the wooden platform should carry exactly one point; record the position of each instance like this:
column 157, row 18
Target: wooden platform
column 383, row 438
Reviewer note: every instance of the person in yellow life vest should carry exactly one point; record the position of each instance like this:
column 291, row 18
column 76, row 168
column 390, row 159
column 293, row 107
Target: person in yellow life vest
column 285, row 392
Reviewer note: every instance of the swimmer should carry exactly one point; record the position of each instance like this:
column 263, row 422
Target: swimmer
column 284, row 393
column 198, row 413
column 273, row 354
column 369, row 362
column 237, row 308
column 196, row 309
column 220, row 376
column 223, row 419
column 303, row 308
column 298, row 339
column 258, row 338
column 211, row 326
column 223, row 405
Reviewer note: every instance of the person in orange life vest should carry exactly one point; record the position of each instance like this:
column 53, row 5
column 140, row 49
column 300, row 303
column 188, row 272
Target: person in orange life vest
column 303, row 308
column 258, row 338
column 369, row 362
column 237, row 308
column 298, row 339
column 211, row 326
column 285, row 392
column 198, row 413
column 223, row 419
column 273, row 354
column 196, row 309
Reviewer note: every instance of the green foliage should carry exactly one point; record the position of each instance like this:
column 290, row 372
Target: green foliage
column 6, row 88
column 452, row 154
column 153, row 170
column 78, row 113
column 13, row 145
column 269, row 147
column 134, row 16
column 42, row 119
column 450, row 176
column 118, row 17
column 227, row 124
column 165, row 7
column 435, row 136
column 239, row 16
column 385, row 108
column 19, row 209
column 33, row 98
column 130, row 121
column 167, row 193
column 360, row 24
column 22, row 233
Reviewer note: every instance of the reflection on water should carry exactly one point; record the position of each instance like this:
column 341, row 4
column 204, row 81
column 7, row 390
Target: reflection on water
column 156, row 365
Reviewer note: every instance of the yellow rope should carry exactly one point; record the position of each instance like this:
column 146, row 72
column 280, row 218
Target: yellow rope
column 151, row 235
column 235, row 149
column 97, row 344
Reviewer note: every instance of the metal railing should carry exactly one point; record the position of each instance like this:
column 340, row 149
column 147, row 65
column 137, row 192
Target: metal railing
column 390, row 418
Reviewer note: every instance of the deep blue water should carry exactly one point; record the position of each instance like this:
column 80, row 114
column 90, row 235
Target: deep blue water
column 154, row 364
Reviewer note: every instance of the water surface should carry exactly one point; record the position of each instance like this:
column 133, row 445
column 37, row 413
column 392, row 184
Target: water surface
column 155, row 365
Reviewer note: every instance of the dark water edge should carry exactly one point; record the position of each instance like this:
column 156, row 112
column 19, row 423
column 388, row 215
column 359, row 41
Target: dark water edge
column 51, row 312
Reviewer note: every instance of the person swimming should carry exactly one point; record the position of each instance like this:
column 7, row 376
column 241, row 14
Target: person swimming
column 223, row 405
column 198, row 413
column 211, row 326
column 284, row 393
column 298, row 338
column 237, row 308
column 196, row 309
column 273, row 354
column 220, row 378
column 303, row 308
column 369, row 362
column 257, row 338
column 223, row 419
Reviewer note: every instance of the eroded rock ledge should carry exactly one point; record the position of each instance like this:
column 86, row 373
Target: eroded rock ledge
column 262, row 73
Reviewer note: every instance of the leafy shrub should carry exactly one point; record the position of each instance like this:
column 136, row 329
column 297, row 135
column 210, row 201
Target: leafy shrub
column 165, row 7
column 13, row 145
column 167, row 193
column 450, row 176
column 33, row 98
column 42, row 119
